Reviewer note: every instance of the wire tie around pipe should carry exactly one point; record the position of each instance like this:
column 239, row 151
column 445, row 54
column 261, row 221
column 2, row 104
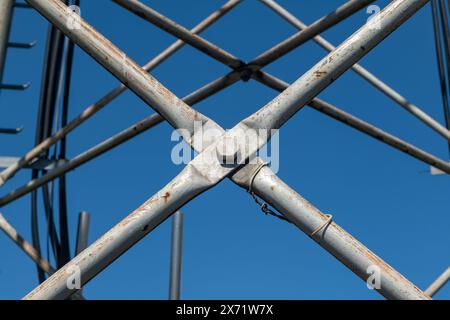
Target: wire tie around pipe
column 264, row 206
column 329, row 220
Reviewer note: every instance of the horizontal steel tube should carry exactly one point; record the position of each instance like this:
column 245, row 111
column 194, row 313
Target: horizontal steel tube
column 365, row 74
column 332, row 238
column 110, row 96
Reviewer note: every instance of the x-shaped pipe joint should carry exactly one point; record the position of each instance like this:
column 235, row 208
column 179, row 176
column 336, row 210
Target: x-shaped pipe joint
column 241, row 142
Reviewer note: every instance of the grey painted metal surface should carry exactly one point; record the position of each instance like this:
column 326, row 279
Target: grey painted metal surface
column 205, row 170
column 6, row 9
column 176, row 256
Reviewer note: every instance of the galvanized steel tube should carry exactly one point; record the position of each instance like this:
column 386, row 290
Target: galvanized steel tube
column 176, row 256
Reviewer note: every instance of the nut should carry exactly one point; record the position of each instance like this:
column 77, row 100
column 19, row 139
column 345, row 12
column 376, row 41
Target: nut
column 227, row 150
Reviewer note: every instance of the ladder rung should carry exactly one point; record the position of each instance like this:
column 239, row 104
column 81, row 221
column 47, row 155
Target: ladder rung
column 22, row 45
column 18, row 87
column 47, row 164
column 11, row 130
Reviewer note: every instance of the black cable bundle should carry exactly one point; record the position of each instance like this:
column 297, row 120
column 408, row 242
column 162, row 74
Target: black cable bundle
column 58, row 62
column 441, row 21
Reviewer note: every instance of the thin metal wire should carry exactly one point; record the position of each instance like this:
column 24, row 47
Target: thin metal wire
column 264, row 206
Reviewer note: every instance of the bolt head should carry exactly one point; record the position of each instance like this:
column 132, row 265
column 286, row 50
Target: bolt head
column 227, row 150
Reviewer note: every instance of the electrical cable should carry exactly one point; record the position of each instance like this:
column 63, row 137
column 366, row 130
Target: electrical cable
column 441, row 66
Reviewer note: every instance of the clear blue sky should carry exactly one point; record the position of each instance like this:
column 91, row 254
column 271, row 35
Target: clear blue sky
column 386, row 199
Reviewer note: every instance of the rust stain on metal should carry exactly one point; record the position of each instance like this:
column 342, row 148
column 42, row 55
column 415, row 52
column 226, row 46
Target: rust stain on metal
column 166, row 196
column 385, row 267
column 319, row 73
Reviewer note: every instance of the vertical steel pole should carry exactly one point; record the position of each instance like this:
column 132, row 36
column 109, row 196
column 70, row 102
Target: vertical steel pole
column 6, row 10
column 82, row 232
column 176, row 256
